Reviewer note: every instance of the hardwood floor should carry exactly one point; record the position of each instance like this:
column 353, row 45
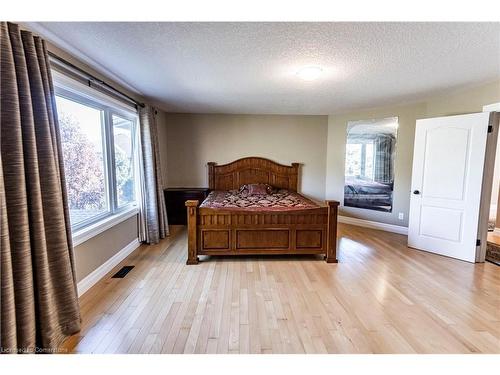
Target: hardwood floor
column 381, row 297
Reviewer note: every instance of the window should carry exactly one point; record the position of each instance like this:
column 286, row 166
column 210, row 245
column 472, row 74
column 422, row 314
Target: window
column 83, row 147
column 124, row 145
column 359, row 160
column 99, row 144
column 369, row 164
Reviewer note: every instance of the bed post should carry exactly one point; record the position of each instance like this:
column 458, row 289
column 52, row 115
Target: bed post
column 211, row 175
column 192, row 213
column 331, row 248
column 294, row 178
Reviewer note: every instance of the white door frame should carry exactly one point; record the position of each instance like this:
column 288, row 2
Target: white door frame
column 495, row 107
column 486, row 190
column 489, row 168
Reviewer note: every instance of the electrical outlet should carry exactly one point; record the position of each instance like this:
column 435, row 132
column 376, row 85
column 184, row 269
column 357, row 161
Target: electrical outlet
column 401, row 216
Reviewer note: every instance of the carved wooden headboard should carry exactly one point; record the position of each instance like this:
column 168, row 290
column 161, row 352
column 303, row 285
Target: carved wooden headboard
column 252, row 170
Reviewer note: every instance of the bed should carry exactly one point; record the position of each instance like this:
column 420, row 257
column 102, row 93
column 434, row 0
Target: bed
column 232, row 222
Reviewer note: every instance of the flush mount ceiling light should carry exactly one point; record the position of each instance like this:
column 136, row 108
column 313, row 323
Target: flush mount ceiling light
column 309, row 73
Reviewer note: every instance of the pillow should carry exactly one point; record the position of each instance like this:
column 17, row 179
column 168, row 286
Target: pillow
column 257, row 189
column 271, row 189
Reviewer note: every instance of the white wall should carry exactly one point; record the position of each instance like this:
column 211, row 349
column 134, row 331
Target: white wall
column 337, row 133
column 162, row 141
column 464, row 101
column 189, row 141
column 192, row 140
column 456, row 102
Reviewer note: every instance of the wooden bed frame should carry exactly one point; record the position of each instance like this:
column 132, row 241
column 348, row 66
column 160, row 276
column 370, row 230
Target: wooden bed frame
column 237, row 232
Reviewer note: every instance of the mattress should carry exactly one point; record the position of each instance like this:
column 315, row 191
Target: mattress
column 281, row 200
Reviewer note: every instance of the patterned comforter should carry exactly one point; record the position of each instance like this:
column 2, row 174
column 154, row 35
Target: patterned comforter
column 281, row 200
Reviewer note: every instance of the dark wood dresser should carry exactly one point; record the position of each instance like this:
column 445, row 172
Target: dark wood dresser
column 175, row 199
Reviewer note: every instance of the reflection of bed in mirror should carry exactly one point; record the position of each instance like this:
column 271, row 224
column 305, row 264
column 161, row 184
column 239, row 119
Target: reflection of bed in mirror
column 367, row 194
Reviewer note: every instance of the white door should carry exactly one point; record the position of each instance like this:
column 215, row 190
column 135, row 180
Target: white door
column 448, row 163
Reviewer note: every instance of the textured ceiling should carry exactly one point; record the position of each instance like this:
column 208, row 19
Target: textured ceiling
column 251, row 67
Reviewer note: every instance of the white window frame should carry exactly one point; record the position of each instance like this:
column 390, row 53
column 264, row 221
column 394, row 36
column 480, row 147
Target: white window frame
column 74, row 90
column 363, row 155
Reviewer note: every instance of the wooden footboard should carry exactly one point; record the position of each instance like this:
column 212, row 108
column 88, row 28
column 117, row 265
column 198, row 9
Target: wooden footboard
column 227, row 232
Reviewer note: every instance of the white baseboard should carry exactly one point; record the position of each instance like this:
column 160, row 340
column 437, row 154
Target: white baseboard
column 91, row 279
column 373, row 224
column 496, row 230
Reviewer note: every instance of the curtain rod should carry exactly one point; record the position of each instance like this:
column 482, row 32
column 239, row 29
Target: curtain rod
column 95, row 79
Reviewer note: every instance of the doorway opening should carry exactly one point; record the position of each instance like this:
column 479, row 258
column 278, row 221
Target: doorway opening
column 493, row 244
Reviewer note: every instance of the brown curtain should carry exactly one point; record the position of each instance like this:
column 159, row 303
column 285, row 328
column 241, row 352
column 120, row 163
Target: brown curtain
column 153, row 216
column 39, row 303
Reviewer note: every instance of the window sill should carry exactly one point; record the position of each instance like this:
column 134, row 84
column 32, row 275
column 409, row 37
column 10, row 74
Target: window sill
column 85, row 234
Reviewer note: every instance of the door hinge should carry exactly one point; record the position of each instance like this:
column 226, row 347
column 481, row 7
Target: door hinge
column 490, row 128
column 478, row 242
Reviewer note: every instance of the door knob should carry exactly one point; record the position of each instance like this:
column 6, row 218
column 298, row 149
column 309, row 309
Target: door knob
column 416, row 192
